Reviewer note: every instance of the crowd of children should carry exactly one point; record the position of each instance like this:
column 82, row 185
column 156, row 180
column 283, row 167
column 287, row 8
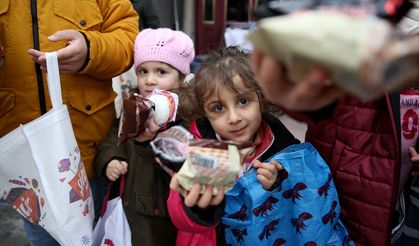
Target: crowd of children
column 224, row 102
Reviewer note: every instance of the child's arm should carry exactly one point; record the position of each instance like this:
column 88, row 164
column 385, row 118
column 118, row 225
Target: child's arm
column 267, row 173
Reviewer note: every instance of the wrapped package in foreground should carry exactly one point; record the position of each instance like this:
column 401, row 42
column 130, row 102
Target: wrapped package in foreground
column 364, row 54
column 211, row 162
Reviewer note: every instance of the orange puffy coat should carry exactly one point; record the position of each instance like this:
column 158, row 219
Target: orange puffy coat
column 110, row 26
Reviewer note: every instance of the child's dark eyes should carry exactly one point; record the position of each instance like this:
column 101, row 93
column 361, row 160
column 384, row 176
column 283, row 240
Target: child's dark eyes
column 161, row 72
column 142, row 71
column 243, row 101
column 218, row 108
column 145, row 71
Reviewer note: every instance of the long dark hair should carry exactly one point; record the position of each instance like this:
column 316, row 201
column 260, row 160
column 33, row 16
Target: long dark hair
column 219, row 68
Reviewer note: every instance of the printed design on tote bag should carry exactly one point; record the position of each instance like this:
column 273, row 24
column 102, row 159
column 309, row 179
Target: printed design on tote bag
column 25, row 198
column 86, row 240
column 109, row 242
column 73, row 170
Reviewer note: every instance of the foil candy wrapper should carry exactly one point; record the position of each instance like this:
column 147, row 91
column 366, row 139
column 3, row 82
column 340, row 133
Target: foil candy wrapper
column 136, row 109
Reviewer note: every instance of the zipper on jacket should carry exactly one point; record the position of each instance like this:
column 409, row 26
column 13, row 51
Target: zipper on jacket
column 35, row 34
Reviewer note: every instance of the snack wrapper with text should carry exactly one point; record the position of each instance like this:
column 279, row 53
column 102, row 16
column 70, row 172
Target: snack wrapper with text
column 211, row 162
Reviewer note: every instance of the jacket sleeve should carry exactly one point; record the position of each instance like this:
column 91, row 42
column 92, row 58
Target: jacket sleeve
column 149, row 17
column 109, row 150
column 111, row 48
column 181, row 219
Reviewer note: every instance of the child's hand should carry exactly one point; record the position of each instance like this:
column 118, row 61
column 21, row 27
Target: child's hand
column 267, row 172
column 414, row 158
column 151, row 129
column 115, row 169
column 193, row 197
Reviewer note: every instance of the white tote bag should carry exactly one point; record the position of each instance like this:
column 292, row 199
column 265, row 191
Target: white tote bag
column 42, row 175
column 112, row 229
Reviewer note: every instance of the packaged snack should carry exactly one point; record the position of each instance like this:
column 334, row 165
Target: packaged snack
column 389, row 10
column 161, row 105
column 135, row 111
column 211, row 162
column 364, row 54
column 166, row 104
column 172, row 146
column 204, row 161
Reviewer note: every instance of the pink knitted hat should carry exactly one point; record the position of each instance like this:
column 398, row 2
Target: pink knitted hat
column 164, row 45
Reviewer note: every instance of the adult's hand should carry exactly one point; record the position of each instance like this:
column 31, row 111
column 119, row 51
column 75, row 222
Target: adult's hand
column 71, row 58
column 313, row 92
column 414, row 158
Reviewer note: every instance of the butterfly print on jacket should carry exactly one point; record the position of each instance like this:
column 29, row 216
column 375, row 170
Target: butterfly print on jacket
column 266, row 206
column 323, row 190
column 279, row 242
column 299, row 222
column 294, row 192
column 331, row 215
column 268, row 229
column 240, row 215
column 239, row 234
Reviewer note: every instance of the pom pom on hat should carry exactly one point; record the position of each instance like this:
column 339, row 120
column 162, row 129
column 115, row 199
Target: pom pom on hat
column 164, row 45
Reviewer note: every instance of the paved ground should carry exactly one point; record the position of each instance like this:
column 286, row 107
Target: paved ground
column 11, row 231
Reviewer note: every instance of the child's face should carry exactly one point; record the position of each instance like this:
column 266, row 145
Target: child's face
column 234, row 116
column 156, row 75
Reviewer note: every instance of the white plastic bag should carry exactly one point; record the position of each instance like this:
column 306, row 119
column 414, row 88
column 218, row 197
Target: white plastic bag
column 112, row 227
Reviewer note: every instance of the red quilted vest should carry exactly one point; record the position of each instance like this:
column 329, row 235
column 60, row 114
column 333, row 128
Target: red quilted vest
column 360, row 144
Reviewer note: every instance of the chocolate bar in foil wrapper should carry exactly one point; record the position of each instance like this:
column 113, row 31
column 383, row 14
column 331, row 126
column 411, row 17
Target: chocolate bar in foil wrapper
column 364, row 54
column 172, row 145
column 135, row 112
